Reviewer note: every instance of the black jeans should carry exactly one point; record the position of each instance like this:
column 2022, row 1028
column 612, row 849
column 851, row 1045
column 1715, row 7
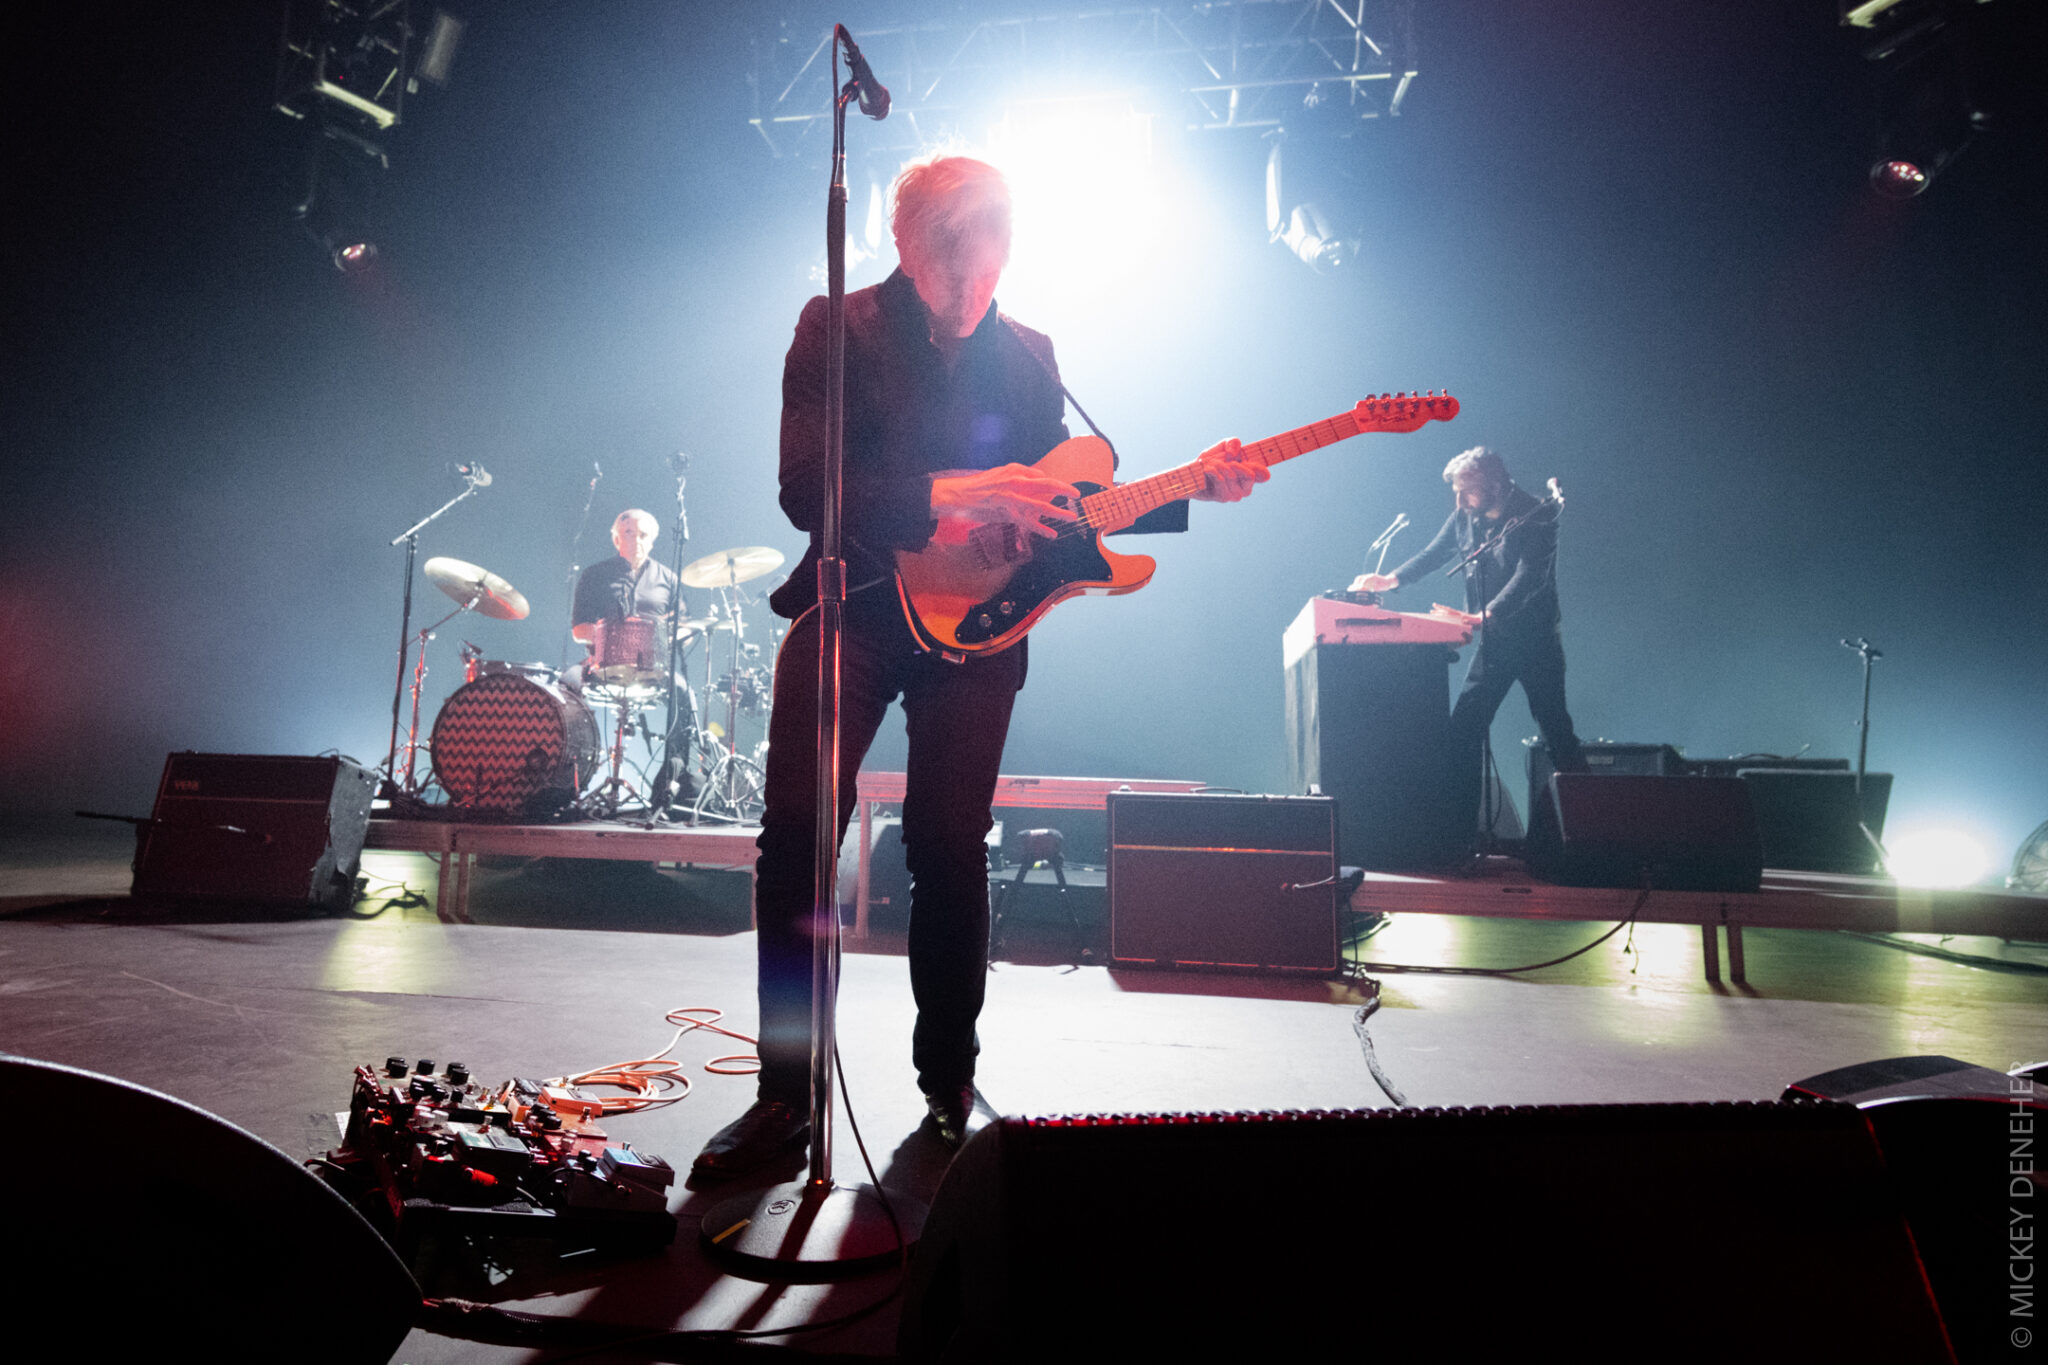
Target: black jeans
column 958, row 715
column 1503, row 659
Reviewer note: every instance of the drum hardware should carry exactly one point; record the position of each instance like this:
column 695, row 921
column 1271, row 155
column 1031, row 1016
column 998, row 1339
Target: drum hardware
column 475, row 665
column 473, row 589
column 733, row 788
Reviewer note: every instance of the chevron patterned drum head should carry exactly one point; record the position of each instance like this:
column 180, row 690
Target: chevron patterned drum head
column 513, row 745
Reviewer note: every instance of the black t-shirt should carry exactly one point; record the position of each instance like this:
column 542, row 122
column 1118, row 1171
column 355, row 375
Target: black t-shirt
column 612, row 591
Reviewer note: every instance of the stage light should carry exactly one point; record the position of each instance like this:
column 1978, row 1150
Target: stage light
column 339, row 202
column 1936, row 857
column 1308, row 229
column 1925, row 97
column 1897, row 179
column 1095, row 214
column 354, row 257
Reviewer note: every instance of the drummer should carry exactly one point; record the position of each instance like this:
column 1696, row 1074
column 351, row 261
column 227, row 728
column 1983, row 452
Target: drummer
column 634, row 584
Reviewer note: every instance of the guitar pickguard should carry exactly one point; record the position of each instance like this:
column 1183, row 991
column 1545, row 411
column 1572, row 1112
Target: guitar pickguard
column 1056, row 567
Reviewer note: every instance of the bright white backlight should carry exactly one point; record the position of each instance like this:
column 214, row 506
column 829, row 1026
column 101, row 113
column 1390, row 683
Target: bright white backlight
column 1095, row 217
column 1937, row 857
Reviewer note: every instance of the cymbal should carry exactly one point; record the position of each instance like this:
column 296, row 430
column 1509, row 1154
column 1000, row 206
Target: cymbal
column 494, row 597
column 729, row 568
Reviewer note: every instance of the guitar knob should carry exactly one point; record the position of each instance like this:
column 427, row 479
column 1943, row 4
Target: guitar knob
column 1008, row 608
column 986, row 620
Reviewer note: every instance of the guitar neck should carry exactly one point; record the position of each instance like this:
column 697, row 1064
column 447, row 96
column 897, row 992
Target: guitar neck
column 1115, row 508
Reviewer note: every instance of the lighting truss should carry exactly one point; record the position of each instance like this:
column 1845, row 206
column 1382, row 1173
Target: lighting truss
column 342, row 58
column 1209, row 66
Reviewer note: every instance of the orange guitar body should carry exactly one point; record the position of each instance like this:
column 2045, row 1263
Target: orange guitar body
column 978, row 588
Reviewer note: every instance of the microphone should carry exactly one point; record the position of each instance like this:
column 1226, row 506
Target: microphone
column 475, row 473
column 679, row 463
column 874, row 96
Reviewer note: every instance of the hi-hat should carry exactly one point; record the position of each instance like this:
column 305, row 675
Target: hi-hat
column 730, row 568
column 478, row 588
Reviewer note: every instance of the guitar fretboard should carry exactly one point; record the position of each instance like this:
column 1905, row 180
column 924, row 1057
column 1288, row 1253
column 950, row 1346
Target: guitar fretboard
column 1115, row 508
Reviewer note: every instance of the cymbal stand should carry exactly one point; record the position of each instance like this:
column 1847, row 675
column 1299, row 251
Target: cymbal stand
column 419, row 677
column 576, row 558
column 732, row 790
column 410, row 538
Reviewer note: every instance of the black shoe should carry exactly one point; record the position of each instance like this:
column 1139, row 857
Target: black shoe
column 766, row 1131
column 958, row 1112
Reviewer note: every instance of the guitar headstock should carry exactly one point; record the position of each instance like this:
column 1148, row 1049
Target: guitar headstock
column 1403, row 411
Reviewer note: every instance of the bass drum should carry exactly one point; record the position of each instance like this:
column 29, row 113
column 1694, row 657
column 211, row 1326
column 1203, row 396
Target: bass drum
column 513, row 745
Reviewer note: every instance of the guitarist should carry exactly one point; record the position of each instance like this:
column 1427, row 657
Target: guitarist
column 947, row 403
column 1511, row 596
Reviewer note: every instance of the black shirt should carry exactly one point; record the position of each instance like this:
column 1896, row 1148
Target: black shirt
column 612, row 591
column 1520, row 575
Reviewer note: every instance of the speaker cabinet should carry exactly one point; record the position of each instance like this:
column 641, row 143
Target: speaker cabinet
column 164, row 1223
column 1241, row 882
column 251, row 827
column 1960, row 1141
column 1673, row 833
column 1607, row 759
column 1753, row 1232
column 1811, row 819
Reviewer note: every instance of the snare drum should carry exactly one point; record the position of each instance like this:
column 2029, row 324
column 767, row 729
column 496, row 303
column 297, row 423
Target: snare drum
column 625, row 652
column 514, row 745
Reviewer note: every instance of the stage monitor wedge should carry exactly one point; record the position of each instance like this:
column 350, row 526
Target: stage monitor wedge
column 1666, row 833
column 1606, row 1233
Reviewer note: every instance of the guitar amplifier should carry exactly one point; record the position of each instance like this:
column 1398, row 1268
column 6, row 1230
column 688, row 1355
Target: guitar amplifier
column 1607, row 759
column 253, row 827
column 1245, row 883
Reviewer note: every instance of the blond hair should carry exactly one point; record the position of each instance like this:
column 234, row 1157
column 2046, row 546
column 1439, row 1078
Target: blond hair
column 944, row 202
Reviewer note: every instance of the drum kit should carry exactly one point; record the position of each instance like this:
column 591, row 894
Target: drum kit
column 523, row 739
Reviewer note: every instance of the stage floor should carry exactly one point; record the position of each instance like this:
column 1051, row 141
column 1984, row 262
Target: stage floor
column 260, row 1018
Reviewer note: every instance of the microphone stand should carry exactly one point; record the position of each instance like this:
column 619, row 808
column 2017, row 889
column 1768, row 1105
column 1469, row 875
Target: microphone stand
column 1386, row 541
column 681, row 466
column 410, row 538
column 793, row 1229
column 1870, row 655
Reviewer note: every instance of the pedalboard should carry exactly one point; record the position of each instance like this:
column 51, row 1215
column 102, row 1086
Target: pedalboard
column 433, row 1152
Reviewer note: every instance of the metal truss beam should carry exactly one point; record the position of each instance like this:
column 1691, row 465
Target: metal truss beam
column 1208, row 66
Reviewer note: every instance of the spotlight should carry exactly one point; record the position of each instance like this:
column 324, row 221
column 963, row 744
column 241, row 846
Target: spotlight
column 1936, row 857
column 354, row 257
column 1897, row 179
column 1308, row 231
column 1926, row 107
column 339, row 203
column 1320, row 247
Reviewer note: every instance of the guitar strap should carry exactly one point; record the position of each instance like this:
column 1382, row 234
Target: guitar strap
column 1065, row 393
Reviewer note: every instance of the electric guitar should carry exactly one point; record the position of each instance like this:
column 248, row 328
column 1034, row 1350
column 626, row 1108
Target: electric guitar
column 977, row 587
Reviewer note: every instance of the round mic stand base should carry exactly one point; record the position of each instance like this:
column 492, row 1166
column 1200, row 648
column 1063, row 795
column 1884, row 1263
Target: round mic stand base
column 807, row 1230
